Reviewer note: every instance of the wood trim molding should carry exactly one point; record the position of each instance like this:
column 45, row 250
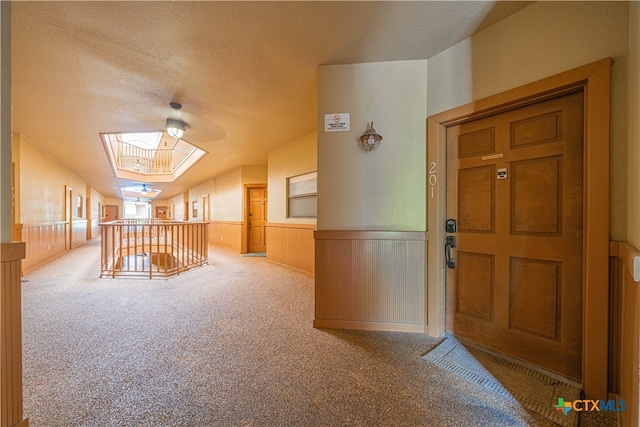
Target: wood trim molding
column 292, row 225
column 630, row 257
column 13, row 251
column 368, row 326
column 626, row 308
column 11, row 334
column 43, row 224
column 594, row 79
column 369, row 235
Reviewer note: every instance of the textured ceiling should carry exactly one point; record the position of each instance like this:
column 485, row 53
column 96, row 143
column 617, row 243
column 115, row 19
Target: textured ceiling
column 245, row 72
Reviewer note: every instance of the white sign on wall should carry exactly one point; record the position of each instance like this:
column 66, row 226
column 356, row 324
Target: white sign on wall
column 338, row 122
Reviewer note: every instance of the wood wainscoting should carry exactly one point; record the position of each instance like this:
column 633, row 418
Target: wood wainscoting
column 370, row 280
column 227, row 234
column 11, row 413
column 79, row 236
column 48, row 240
column 292, row 246
column 94, row 230
column 44, row 241
column 625, row 329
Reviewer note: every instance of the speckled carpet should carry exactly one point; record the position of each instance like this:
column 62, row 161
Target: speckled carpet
column 228, row 344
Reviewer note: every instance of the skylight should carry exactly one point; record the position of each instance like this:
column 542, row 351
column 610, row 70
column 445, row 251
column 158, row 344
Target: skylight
column 149, row 140
column 149, row 156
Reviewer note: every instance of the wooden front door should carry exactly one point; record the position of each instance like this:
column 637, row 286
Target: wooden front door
column 515, row 192
column 257, row 219
column 110, row 213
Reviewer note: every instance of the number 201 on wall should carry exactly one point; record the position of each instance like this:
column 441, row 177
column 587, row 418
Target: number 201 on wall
column 433, row 179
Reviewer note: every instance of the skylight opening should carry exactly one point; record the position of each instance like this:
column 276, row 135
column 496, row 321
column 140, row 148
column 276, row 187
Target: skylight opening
column 149, row 156
column 146, row 140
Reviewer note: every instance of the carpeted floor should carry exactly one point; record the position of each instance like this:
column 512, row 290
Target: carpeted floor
column 229, row 344
column 535, row 391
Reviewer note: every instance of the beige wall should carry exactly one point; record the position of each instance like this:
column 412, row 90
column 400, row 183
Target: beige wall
column 41, row 195
column 197, row 194
column 254, row 174
column 227, row 199
column 41, row 184
column 296, row 158
column 543, row 39
column 633, row 179
column 96, row 202
column 176, row 204
column 382, row 189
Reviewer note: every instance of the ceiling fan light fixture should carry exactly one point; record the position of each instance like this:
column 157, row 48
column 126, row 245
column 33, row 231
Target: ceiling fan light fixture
column 175, row 128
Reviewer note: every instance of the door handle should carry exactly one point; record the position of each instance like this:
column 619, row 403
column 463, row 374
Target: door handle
column 450, row 243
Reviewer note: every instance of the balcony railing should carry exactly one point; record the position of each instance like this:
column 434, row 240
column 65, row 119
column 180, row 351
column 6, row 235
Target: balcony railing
column 152, row 248
column 142, row 160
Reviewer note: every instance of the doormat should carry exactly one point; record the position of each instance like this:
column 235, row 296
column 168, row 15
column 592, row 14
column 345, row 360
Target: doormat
column 258, row 254
column 536, row 392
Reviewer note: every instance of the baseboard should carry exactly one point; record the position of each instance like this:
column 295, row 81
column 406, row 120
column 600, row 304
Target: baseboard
column 221, row 246
column 55, row 256
column 369, row 326
column 288, row 267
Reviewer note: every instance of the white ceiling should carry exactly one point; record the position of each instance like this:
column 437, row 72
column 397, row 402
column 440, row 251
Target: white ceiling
column 245, row 72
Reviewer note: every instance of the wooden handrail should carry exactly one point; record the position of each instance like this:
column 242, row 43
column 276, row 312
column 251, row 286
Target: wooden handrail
column 152, row 248
column 137, row 159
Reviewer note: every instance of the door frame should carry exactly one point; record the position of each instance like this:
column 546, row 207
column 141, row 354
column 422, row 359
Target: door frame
column 68, row 216
column 594, row 79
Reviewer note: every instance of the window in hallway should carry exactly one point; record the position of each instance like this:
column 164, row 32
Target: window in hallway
column 137, row 209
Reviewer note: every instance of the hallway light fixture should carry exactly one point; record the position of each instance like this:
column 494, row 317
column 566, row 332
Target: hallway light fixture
column 175, row 127
column 370, row 140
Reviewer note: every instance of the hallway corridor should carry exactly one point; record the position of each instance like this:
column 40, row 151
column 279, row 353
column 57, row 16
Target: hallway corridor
column 228, row 344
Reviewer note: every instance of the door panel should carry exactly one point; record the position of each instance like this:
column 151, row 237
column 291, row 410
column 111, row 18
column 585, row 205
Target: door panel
column 257, row 219
column 110, row 213
column 475, row 285
column 535, row 189
column 476, row 201
column 515, row 187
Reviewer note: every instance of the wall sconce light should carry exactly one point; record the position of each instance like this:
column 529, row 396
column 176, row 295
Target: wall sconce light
column 370, row 139
column 175, row 127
